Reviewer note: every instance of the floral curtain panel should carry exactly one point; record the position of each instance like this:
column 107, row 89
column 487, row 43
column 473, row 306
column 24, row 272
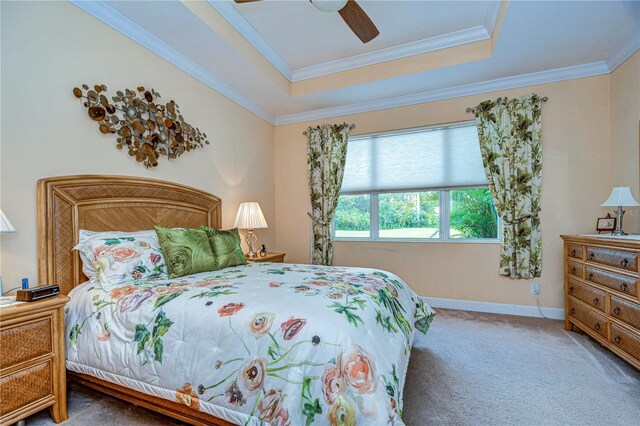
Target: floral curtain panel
column 326, row 156
column 510, row 141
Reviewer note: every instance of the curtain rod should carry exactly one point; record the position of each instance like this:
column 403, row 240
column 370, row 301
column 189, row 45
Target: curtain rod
column 544, row 99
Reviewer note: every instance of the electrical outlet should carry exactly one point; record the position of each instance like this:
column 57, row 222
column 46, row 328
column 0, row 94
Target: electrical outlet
column 535, row 288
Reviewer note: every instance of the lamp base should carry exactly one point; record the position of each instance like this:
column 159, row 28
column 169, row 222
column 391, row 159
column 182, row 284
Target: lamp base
column 619, row 215
column 251, row 239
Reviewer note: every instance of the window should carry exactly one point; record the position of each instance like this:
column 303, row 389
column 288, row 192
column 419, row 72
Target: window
column 472, row 215
column 409, row 215
column 354, row 216
column 418, row 185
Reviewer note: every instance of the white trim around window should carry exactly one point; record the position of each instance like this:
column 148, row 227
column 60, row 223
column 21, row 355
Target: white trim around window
column 444, row 232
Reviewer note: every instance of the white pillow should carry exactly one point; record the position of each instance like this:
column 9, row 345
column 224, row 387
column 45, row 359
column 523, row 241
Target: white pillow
column 114, row 258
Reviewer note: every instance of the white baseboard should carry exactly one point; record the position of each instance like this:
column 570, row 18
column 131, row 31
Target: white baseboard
column 495, row 308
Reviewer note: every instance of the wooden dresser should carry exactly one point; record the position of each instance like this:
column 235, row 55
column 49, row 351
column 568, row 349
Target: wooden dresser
column 32, row 360
column 602, row 293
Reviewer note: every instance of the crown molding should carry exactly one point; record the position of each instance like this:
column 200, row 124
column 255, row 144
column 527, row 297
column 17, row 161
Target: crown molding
column 444, row 41
column 550, row 76
column 110, row 16
column 228, row 11
column 491, row 18
column 625, row 53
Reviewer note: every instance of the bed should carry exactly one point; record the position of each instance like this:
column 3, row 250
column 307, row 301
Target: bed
column 265, row 343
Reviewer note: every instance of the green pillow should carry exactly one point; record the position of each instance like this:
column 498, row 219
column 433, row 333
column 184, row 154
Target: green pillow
column 186, row 251
column 226, row 246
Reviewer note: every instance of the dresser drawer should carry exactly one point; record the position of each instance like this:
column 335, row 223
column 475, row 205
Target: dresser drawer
column 625, row 340
column 589, row 295
column 626, row 260
column 588, row 317
column 575, row 269
column 625, row 311
column 618, row 282
column 574, row 251
column 25, row 341
column 24, row 387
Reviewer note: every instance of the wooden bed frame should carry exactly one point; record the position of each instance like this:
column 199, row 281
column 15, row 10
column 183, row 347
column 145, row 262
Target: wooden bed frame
column 67, row 204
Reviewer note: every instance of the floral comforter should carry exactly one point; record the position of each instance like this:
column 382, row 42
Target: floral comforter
column 272, row 344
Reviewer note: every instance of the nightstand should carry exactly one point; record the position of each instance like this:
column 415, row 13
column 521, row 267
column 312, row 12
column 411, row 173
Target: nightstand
column 32, row 360
column 270, row 257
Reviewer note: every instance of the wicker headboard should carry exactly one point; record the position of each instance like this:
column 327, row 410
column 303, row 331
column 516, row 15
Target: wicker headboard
column 67, row 204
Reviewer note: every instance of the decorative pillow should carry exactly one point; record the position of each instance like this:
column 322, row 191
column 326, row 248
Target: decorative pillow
column 187, row 251
column 114, row 258
column 226, row 246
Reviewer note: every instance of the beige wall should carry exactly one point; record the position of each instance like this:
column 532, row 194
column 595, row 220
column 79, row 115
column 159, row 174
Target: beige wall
column 625, row 137
column 590, row 139
column 47, row 49
column 576, row 179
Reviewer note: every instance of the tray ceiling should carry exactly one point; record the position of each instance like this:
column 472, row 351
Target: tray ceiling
column 304, row 36
column 287, row 61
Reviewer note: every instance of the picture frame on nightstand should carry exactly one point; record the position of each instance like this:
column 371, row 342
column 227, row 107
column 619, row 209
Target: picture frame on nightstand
column 606, row 224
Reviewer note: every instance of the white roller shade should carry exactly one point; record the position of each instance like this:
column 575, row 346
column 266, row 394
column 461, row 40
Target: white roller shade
column 434, row 158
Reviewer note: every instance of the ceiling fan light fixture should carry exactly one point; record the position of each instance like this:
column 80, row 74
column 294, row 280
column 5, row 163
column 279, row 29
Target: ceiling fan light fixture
column 329, row 5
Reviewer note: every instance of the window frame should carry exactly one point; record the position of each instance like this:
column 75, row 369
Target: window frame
column 445, row 201
column 444, row 230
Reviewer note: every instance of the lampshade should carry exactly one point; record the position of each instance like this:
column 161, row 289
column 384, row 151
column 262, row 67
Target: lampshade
column 5, row 224
column 250, row 217
column 621, row 196
column 329, row 5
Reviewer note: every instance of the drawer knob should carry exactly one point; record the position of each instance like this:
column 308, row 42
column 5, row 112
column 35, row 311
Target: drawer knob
column 573, row 253
column 623, row 286
column 590, row 276
column 617, row 339
column 624, row 263
column 572, row 311
column 573, row 270
column 597, row 326
column 591, row 256
column 596, row 301
column 571, row 289
column 616, row 310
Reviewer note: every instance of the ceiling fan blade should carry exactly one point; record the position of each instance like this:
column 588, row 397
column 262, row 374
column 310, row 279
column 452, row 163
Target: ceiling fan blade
column 358, row 21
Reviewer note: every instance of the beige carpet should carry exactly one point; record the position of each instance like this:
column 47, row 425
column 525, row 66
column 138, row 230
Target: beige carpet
column 486, row 369
column 471, row 369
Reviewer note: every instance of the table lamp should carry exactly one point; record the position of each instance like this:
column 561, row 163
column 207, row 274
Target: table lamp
column 5, row 224
column 620, row 196
column 250, row 217
column 6, row 227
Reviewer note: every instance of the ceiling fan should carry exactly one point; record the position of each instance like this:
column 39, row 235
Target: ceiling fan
column 351, row 13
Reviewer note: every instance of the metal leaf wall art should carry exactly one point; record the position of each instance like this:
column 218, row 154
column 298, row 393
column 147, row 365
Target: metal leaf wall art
column 146, row 128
